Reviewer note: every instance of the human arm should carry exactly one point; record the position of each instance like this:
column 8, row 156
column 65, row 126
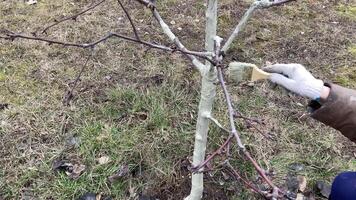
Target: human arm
column 331, row 104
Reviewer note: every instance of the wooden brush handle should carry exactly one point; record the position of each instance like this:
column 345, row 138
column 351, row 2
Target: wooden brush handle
column 259, row 74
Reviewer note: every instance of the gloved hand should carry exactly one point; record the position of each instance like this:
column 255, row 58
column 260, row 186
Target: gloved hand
column 297, row 79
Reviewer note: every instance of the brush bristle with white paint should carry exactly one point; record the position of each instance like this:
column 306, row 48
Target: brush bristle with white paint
column 239, row 71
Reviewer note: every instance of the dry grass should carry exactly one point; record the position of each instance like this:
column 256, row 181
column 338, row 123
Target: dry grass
column 139, row 107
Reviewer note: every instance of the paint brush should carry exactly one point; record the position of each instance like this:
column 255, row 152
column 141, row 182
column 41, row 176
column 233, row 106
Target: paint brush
column 239, row 71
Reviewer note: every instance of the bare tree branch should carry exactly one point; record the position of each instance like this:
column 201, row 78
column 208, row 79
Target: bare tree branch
column 73, row 17
column 215, row 153
column 130, row 19
column 230, row 109
column 12, row 36
column 240, row 26
column 200, row 66
column 280, row 2
column 217, row 123
column 258, row 4
column 69, row 94
column 239, row 177
column 151, row 5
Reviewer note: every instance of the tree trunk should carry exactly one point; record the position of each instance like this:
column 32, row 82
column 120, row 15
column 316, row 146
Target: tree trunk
column 207, row 96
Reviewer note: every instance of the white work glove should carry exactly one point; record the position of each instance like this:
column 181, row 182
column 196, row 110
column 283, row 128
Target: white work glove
column 297, row 79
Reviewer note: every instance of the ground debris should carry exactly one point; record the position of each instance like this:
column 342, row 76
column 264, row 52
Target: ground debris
column 31, row 2
column 72, row 170
column 120, row 173
column 297, row 167
column 103, row 160
column 323, row 188
column 93, row 196
column 302, row 183
column 3, row 106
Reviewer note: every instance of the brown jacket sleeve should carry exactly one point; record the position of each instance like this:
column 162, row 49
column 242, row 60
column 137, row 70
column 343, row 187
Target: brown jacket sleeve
column 339, row 111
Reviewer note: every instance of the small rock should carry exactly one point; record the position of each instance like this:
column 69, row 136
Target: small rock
column 173, row 22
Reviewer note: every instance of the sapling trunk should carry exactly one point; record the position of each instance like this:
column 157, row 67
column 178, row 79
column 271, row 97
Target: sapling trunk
column 207, row 96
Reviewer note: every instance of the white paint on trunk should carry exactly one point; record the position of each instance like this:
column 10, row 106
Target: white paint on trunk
column 207, row 96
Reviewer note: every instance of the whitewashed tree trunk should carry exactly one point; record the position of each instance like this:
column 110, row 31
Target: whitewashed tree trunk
column 207, row 96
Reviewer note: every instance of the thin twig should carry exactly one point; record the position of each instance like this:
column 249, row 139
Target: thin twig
column 69, row 94
column 217, row 123
column 130, row 19
column 215, row 153
column 200, row 66
column 240, row 26
column 235, row 133
column 230, row 109
column 248, row 14
column 239, row 177
column 73, row 17
column 249, row 121
column 11, row 36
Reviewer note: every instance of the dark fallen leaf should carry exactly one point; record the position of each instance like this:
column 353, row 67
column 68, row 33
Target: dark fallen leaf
column 72, row 170
column 144, row 197
column 3, row 106
column 88, row 196
column 309, row 195
column 93, row 196
column 78, row 169
column 297, row 167
column 292, row 183
column 323, row 188
column 61, row 166
column 120, row 173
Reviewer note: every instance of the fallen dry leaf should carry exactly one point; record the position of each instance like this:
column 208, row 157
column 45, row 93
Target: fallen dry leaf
column 323, row 188
column 300, row 196
column 302, row 181
column 72, row 170
column 123, row 171
column 78, row 169
column 103, row 160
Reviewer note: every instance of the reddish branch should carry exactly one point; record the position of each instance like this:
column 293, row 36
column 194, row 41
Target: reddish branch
column 215, row 153
column 259, row 170
column 230, row 109
column 12, row 36
column 249, row 121
column 73, row 17
column 216, row 60
column 239, row 177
